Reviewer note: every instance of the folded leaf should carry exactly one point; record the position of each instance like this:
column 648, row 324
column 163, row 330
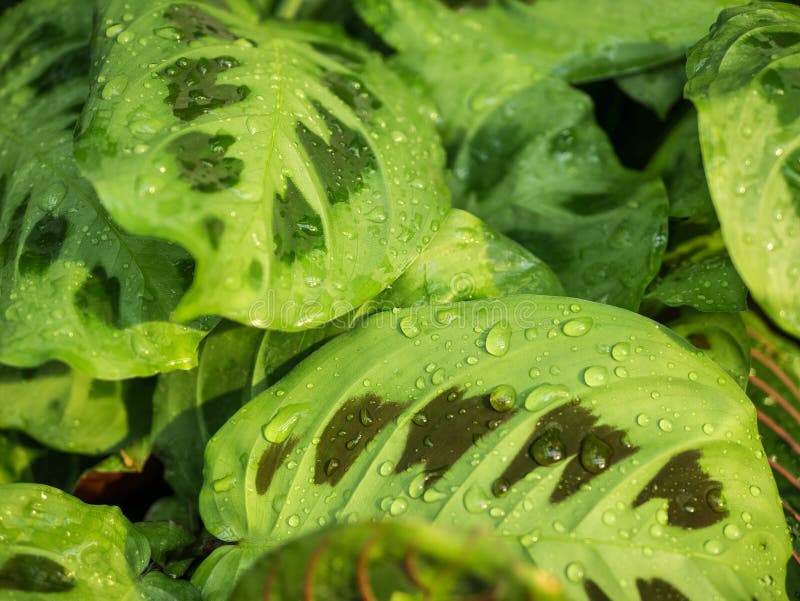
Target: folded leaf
column 658, row 88
column 540, row 170
column 596, row 440
column 291, row 163
column 56, row 547
column 385, row 562
column 73, row 285
column 743, row 79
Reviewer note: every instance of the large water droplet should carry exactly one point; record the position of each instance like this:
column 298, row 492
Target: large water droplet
column 475, row 500
column 595, row 376
column 503, row 397
column 548, row 448
column 713, row 546
column 280, row 427
column 409, row 327
column 224, row 484
column 398, row 507
column 546, row 394
column 500, row 487
column 498, row 339
column 716, row 500
column 574, row 572
column 578, row 326
column 595, row 454
column 621, row 351
column 732, row 531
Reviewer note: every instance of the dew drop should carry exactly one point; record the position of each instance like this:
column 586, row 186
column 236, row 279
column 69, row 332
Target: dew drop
column 716, row 500
column 732, row 531
column 595, row 454
column 503, row 397
column 280, row 427
column 665, row 425
column 621, row 351
column 386, row 468
column 643, row 419
column 609, row 517
column 713, row 546
column 498, row 339
column 409, row 327
column 475, row 500
column 398, row 507
column 546, row 394
column 224, row 484
column 755, row 491
column 575, row 572
column 500, row 487
column 708, row 429
column 595, row 376
column 293, row 520
column 548, row 448
column 416, row 488
column 577, row 327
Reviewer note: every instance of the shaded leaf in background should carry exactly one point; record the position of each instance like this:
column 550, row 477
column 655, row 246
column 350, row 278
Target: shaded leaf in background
column 73, row 285
column 56, row 545
column 389, row 562
column 699, row 273
column 539, row 170
column 68, row 410
column 775, row 390
column 743, row 79
column 15, row 459
column 627, row 455
column 658, row 88
column 473, row 58
column 719, row 336
column 290, row 162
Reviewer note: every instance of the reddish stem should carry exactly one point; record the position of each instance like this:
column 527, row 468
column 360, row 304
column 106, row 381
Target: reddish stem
column 311, row 568
column 767, row 389
column 783, row 434
column 362, row 571
column 775, row 369
column 784, row 472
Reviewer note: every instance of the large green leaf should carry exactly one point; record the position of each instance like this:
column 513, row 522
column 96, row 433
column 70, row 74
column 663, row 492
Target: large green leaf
column 539, row 169
column 291, row 163
column 392, row 562
column 744, row 80
column 600, row 442
column 471, row 57
column 73, row 285
column 56, row 547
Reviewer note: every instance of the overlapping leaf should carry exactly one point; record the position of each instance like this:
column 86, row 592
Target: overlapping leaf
column 291, row 163
column 56, row 547
column 743, row 79
column 472, row 57
column 384, row 562
column 539, row 169
column 605, row 446
column 73, row 285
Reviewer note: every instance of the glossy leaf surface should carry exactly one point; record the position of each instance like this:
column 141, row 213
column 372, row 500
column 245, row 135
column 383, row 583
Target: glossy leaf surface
column 56, row 547
column 602, row 444
column 743, row 79
column 540, row 170
column 291, row 163
column 73, row 285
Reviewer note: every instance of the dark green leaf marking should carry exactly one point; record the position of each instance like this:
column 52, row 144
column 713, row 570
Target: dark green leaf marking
column 192, row 24
column 445, row 429
column 270, row 461
column 689, row 491
column 340, row 163
column 203, row 163
column 192, row 86
column 43, row 244
column 783, row 85
column 346, row 435
column 100, row 297
column 594, row 592
column 214, row 227
column 658, row 590
column 569, row 431
column 352, row 91
column 35, row 574
column 293, row 215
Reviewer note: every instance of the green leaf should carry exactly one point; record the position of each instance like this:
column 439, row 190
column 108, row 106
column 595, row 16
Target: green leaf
column 157, row 586
column 291, row 163
column 540, row 170
column 472, row 58
column 743, row 79
column 73, row 285
column 56, row 547
column 16, row 459
column 775, row 391
column 720, row 336
column 699, row 274
column 169, row 544
column 595, row 440
column 680, row 163
column 402, row 562
column 658, row 88
column 467, row 260
column 65, row 409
